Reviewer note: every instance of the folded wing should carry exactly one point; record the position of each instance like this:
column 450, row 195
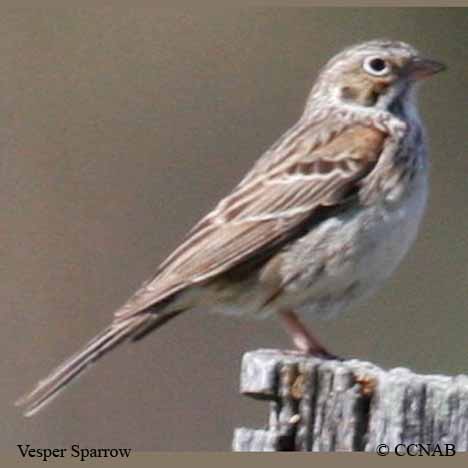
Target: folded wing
column 266, row 208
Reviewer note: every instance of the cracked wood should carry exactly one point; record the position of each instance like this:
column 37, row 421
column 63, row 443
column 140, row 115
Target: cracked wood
column 318, row 405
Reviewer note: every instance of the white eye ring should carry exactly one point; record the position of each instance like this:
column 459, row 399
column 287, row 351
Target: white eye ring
column 376, row 66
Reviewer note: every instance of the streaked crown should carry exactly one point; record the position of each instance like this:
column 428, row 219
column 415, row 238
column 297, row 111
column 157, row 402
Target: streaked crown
column 374, row 73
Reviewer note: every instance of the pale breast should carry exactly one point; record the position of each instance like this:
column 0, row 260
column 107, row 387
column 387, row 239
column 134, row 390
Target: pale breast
column 340, row 261
column 348, row 257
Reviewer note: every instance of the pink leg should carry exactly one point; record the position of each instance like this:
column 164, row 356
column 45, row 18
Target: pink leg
column 302, row 338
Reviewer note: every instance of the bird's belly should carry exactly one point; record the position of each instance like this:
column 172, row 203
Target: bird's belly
column 347, row 258
column 342, row 260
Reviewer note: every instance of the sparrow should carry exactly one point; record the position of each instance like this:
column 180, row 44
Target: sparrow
column 320, row 221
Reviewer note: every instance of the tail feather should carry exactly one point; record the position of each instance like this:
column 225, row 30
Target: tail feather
column 50, row 387
column 158, row 321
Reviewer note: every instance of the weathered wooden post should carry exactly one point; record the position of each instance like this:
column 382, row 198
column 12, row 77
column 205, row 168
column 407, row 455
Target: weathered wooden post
column 318, row 405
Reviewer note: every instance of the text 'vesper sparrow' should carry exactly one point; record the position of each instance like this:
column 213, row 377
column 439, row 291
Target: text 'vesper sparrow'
column 321, row 220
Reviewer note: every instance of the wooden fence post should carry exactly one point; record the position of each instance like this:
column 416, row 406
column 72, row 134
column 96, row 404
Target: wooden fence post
column 319, row 405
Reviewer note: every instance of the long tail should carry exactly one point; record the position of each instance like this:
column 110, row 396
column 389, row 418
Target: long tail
column 50, row 387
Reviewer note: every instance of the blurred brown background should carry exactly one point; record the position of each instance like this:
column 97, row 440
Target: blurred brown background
column 119, row 128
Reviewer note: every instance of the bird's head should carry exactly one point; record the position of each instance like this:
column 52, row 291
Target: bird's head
column 377, row 73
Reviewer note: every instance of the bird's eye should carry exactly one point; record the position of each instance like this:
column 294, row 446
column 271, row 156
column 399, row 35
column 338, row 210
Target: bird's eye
column 376, row 66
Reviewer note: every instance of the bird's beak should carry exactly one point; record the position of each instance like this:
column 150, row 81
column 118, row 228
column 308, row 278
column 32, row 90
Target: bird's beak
column 420, row 68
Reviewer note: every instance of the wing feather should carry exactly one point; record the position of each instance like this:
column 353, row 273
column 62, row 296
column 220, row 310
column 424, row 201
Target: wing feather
column 265, row 209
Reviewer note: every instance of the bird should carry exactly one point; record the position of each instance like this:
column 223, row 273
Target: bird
column 319, row 222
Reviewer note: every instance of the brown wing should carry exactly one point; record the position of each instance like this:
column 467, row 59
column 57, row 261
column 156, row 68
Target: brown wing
column 265, row 209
